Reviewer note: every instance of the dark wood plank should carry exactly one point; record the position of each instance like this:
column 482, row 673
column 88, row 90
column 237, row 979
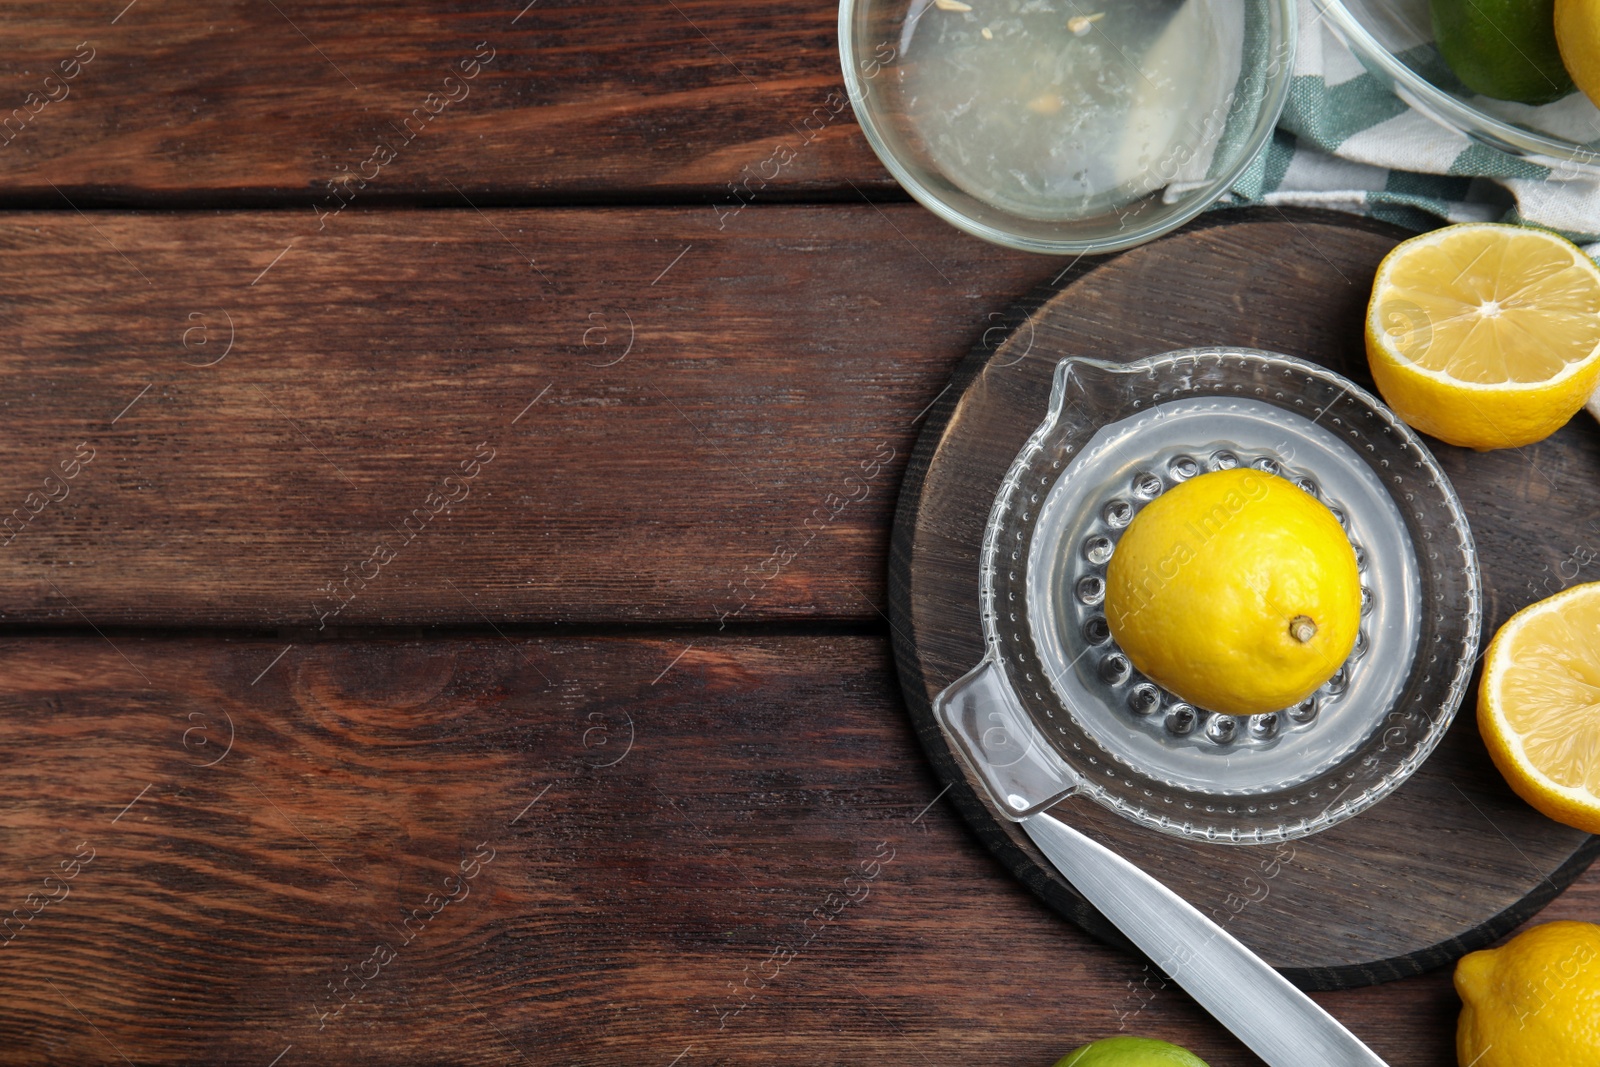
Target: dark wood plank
column 154, row 475
column 270, row 103
column 635, row 898
column 1451, row 860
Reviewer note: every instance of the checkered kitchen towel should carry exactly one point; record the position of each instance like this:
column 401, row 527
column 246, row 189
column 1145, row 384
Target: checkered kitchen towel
column 1345, row 141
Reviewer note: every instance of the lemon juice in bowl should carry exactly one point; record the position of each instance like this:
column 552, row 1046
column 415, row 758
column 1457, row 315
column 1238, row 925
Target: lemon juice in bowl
column 1067, row 109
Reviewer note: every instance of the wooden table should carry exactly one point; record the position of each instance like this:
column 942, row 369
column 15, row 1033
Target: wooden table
column 415, row 646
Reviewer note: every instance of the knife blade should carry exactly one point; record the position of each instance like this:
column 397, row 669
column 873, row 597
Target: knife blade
column 1278, row 1022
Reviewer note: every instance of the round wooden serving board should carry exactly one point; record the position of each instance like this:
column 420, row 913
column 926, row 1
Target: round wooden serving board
column 1449, row 862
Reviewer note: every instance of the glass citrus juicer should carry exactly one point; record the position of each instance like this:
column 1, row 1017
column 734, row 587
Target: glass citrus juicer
column 1055, row 709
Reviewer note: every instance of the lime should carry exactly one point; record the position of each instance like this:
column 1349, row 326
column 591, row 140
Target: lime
column 1537, row 703
column 1130, row 1052
column 1503, row 48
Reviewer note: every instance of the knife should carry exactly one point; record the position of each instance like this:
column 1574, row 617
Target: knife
column 1279, row 1023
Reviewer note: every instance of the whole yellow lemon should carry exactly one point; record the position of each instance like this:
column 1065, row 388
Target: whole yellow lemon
column 1236, row 590
column 1577, row 25
column 1532, row 1002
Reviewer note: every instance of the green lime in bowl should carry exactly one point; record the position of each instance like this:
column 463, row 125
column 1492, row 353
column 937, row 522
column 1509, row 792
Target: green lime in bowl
column 1504, row 49
column 1485, row 69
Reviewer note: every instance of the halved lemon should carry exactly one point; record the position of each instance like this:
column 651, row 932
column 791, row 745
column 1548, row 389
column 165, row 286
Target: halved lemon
column 1485, row 335
column 1539, row 705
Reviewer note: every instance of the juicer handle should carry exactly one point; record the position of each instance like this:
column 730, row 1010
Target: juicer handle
column 989, row 729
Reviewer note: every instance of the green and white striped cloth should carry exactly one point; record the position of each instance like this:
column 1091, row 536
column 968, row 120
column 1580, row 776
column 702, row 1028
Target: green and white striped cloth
column 1346, row 142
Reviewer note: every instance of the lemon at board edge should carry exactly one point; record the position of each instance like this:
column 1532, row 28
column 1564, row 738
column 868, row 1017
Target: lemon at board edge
column 1539, row 705
column 1532, row 1002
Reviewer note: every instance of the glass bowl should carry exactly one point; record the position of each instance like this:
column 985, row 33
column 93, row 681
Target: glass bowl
column 1394, row 40
column 1056, row 709
column 1067, row 126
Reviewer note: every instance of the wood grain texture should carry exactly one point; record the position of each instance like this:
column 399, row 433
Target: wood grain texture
column 697, row 415
column 251, row 103
column 677, row 422
column 1451, row 860
column 631, row 890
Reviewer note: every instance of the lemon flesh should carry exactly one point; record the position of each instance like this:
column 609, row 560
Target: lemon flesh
column 1484, row 335
column 1539, row 705
column 1577, row 26
column 1502, row 48
column 1237, row 591
column 1532, row 1002
column 1130, row 1052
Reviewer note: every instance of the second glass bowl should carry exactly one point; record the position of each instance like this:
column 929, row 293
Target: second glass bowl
column 1394, row 40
